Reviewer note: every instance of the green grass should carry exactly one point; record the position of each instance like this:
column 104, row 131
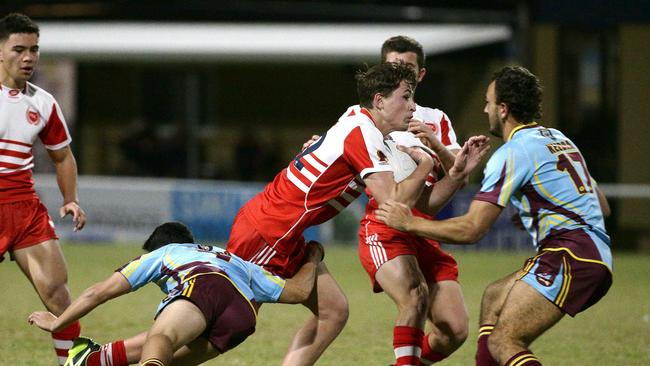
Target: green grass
column 616, row 331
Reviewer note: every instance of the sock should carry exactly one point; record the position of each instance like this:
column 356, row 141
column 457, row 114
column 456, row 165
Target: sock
column 152, row 362
column 63, row 340
column 483, row 356
column 429, row 356
column 523, row 358
column 112, row 354
column 406, row 344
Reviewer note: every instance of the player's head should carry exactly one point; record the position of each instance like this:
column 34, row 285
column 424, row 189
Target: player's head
column 515, row 92
column 167, row 233
column 19, row 52
column 383, row 79
column 406, row 49
column 387, row 91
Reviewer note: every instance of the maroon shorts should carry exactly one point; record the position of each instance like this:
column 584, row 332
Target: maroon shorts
column 573, row 284
column 24, row 224
column 379, row 243
column 229, row 315
column 283, row 259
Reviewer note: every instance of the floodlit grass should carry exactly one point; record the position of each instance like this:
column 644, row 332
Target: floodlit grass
column 616, row 331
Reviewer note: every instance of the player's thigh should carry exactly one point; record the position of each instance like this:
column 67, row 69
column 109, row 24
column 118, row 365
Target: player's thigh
column 495, row 295
column 400, row 277
column 43, row 263
column 448, row 308
column 181, row 321
column 195, row 352
column 526, row 314
column 327, row 296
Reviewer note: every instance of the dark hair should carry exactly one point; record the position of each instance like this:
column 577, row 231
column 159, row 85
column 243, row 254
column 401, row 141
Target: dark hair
column 383, row 78
column 16, row 23
column 403, row 44
column 167, row 233
column 521, row 91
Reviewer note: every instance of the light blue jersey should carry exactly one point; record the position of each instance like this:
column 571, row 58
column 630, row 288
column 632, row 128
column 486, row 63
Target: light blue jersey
column 543, row 174
column 168, row 267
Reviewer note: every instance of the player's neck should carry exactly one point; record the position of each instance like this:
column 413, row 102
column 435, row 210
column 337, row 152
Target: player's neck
column 12, row 83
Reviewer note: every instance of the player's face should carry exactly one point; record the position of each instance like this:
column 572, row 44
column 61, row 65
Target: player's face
column 18, row 58
column 492, row 110
column 409, row 58
column 398, row 107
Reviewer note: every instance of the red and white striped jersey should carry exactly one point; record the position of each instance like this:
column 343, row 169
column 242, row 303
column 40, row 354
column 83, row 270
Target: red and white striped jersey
column 321, row 181
column 441, row 126
column 24, row 116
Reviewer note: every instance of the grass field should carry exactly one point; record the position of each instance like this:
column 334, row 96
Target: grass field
column 614, row 332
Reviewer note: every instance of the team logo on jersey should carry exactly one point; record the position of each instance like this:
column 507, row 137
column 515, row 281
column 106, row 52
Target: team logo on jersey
column 381, row 156
column 32, row 117
column 545, row 279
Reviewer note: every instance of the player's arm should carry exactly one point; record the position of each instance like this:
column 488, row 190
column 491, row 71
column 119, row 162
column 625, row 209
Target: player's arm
column 467, row 159
column 66, row 177
column 382, row 186
column 466, row 229
column 114, row 286
column 298, row 288
column 424, row 132
column 604, row 205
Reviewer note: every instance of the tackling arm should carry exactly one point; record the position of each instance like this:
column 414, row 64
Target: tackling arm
column 298, row 288
column 95, row 295
column 466, row 229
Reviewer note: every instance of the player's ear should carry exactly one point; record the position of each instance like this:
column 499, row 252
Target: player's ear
column 378, row 101
column 503, row 111
column 421, row 73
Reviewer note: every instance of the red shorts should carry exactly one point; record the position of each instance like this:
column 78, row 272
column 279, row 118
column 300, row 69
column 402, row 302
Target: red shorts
column 283, row 259
column 24, row 224
column 379, row 243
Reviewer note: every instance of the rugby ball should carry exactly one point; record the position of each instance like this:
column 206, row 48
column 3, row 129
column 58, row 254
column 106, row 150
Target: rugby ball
column 400, row 162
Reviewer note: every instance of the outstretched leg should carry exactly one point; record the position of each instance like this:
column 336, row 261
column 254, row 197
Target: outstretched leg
column 450, row 320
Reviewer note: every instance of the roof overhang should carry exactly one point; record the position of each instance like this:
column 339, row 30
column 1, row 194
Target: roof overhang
column 209, row 42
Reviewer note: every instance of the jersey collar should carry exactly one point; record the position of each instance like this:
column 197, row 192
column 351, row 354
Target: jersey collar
column 367, row 113
column 518, row 128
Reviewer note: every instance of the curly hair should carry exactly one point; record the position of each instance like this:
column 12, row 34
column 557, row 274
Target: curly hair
column 16, row 23
column 521, row 91
column 383, row 78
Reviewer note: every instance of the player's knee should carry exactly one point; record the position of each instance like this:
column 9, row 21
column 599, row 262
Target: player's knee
column 417, row 301
column 55, row 295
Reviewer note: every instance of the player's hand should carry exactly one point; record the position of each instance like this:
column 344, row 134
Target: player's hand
column 394, row 214
column 417, row 154
column 315, row 251
column 42, row 319
column 310, row 142
column 425, row 133
column 469, row 157
column 78, row 214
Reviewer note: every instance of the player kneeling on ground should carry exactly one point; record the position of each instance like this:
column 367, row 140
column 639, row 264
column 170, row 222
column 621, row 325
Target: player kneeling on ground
column 211, row 304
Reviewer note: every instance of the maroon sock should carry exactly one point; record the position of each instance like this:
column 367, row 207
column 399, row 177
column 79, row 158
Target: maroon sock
column 523, row 358
column 483, row 356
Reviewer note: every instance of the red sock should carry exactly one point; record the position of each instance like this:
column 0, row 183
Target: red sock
column 406, row 344
column 483, row 356
column 523, row 358
column 429, row 356
column 112, row 354
column 63, row 340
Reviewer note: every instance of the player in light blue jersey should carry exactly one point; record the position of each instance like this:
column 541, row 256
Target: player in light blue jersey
column 211, row 303
column 542, row 173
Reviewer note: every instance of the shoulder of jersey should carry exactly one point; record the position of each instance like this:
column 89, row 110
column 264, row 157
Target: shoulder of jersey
column 428, row 114
column 36, row 91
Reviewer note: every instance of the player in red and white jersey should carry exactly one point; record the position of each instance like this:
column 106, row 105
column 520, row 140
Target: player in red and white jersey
column 27, row 112
column 415, row 272
column 321, row 181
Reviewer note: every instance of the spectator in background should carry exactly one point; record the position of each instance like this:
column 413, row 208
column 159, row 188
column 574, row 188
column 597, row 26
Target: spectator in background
column 28, row 112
